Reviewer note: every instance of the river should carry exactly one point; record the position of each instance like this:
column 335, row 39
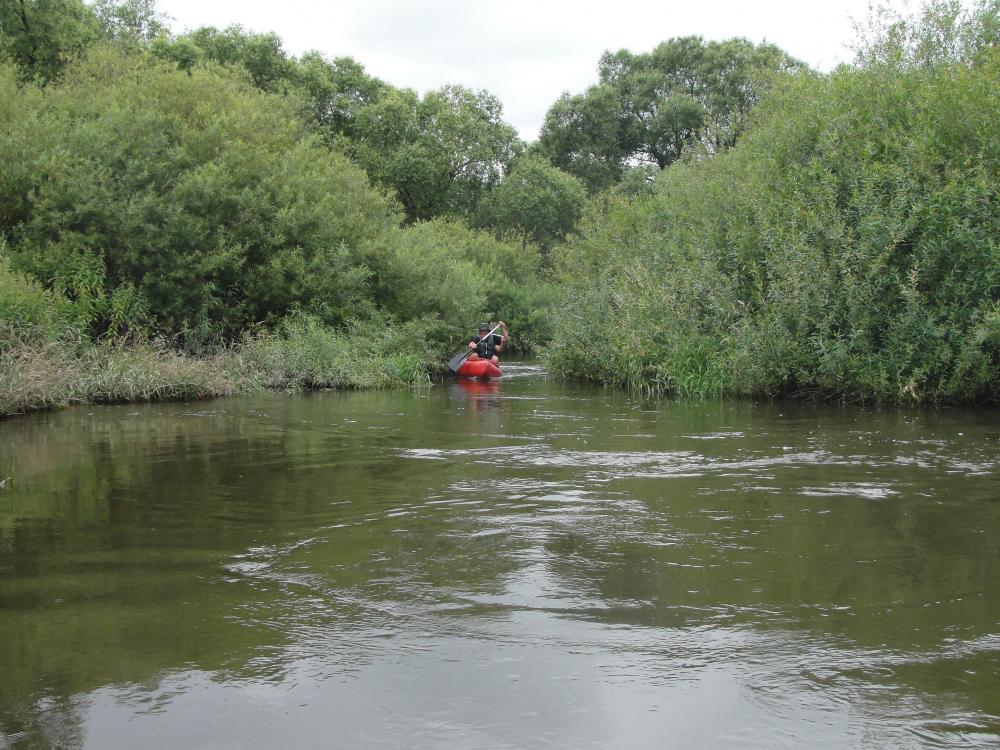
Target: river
column 522, row 564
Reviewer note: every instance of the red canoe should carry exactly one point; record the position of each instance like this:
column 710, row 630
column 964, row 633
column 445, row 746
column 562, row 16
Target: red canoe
column 479, row 368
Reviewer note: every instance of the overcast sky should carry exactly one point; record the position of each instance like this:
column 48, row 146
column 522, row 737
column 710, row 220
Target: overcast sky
column 527, row 52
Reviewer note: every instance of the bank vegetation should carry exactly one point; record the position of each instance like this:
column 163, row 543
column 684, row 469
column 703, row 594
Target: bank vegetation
column 199, row 214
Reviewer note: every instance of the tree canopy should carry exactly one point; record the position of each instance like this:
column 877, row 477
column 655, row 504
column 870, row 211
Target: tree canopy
column 648, row 108
column 41, row 35
column 535, row 200
column 440, row 152
column 845, row 247
column 207, row 197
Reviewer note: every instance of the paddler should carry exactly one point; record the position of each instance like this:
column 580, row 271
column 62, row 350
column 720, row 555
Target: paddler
column 488, row 345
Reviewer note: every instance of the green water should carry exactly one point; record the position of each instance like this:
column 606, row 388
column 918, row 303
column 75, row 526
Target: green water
column 515, row 566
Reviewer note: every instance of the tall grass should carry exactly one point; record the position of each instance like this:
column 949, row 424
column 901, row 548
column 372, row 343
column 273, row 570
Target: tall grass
column 53, row 374
column 303, row 354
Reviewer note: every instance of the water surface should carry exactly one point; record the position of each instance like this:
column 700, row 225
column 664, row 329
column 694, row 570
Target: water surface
column 522, row 564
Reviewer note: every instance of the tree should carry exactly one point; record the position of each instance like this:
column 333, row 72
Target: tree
column 581, row 136
column 337, row 89
column 440, row 153
column 260, row 55
column 207, row 197
column 41, row 35
column 536, row 200
column 130, row 22
column 648, row 108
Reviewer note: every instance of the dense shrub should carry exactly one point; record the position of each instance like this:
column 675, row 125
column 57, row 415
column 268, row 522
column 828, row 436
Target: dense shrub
column 443, row 271
column 207, row 197
column 846, row 247
column 29, row 313
column 304, row 353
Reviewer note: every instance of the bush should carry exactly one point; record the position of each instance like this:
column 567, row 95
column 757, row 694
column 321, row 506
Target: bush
column 193, row 196
column 846, row 247
column 303, row 353
column 29, row 313
column 443, row 271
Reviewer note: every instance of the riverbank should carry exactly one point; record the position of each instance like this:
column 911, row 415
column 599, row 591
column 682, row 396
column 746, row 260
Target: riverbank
column 303, row 355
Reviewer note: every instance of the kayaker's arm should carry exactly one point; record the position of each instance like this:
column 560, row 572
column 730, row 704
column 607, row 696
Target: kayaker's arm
column 503, row 339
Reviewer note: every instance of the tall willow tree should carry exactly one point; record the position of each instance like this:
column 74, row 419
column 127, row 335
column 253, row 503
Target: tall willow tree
column 41, row 35
column 648, row 108
column 440, row 152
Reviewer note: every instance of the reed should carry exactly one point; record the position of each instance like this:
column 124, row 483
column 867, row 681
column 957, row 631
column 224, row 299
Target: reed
column 49, row 375
column 303, row 354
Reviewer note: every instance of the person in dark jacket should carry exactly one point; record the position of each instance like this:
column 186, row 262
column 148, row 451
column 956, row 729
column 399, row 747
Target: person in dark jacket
column 488, row 345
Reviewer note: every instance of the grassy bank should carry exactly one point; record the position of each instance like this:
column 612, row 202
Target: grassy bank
column 48, row 360
column 304, row 355
column 37, row 376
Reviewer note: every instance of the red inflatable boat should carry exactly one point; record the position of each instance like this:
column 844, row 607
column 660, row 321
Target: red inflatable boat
column 479, row 368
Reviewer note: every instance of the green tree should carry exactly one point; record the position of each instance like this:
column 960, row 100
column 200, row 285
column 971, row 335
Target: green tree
column 210, row 198
column 337, row 91
column 648, row 108
column 454, row 275
column 580, row 136
column 845, row 247
column 440, row 153
column 260, row 55
column 40, row 36
column 535, row 200
column 130, row 22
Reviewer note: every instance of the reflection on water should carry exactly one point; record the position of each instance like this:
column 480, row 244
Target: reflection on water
column 502, row 564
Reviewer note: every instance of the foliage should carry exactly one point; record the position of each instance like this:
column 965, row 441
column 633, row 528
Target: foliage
column 29, row 313
column 51, row 374
column 305, row 353
column 301, row 352
column 439, row 152
column 131, row 23
column 207, row 197
column 649, row 108
column 527, row 308
column 535, row 200
column 442, row 271
column 846, row 247
column 41, row 35
column 337, row 90
column 260, row 55
column 426, row 274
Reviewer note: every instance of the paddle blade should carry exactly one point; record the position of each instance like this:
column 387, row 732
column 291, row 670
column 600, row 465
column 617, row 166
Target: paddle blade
column 455, row 362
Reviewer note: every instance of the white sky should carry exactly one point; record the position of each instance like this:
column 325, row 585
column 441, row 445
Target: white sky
column 526, row 52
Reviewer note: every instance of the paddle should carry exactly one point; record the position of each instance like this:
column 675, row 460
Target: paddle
column 455, row 362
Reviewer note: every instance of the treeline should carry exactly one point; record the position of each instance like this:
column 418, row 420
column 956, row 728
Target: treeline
column 708, row 218
column 196, row 185
column 847, row 247
column 173, row 197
